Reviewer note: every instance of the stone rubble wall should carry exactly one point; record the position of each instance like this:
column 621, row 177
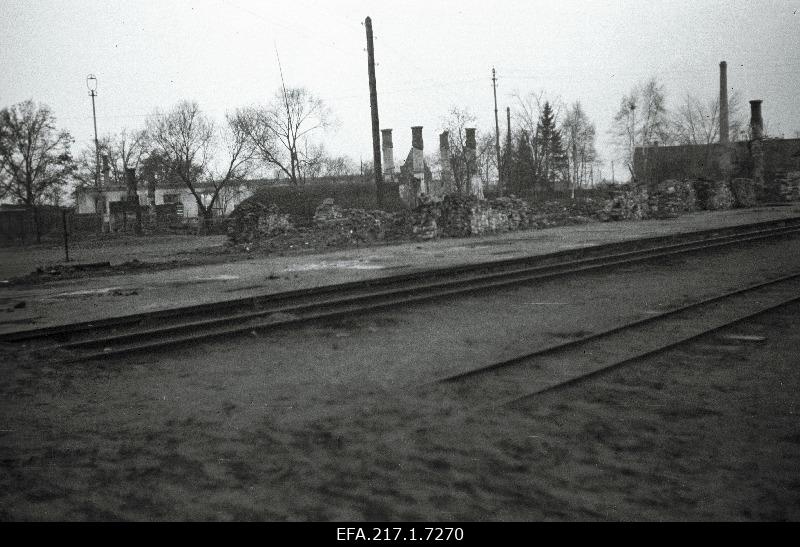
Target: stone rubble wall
column 788, row 186
column 671, row 198
column 629, row 203
column 713, row 195
column 255, row 223
column 745, row 192
column 253, row 220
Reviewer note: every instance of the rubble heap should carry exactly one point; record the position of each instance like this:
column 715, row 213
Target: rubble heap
column 628, row 203
column 671, row 198
column 565, row 212
column 744, row 192
column 348, row 226
column 788, row 186
column 712, row 195
column 253, row 220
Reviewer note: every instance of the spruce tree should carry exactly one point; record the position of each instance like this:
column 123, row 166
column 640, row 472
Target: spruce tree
column 543, row 146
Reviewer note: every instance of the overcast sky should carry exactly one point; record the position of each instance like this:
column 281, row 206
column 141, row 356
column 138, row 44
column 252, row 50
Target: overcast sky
column 432, row 55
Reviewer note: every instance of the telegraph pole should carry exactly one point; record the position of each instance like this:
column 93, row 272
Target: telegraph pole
column 508, row 160
column 91, row 84
column 373, row 104
column 497, row 135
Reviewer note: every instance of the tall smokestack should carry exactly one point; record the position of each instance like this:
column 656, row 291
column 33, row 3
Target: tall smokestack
column 388, row 155
column 724, row 131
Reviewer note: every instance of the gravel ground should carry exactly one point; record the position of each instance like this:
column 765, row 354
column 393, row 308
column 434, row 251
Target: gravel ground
column 260, row 430
column 177, row 250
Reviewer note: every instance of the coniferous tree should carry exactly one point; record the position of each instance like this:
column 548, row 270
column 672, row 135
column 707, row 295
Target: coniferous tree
column 522, row 168
column 559, row 166
column 542, row 151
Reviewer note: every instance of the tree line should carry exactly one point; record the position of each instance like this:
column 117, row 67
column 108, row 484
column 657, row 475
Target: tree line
column 181, row 146
column 550, row 146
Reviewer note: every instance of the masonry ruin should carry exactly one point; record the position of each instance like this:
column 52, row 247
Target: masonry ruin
column 415, row 176
column 773, row 164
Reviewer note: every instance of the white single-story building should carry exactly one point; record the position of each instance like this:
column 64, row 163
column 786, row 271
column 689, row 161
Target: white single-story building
column 90, row 201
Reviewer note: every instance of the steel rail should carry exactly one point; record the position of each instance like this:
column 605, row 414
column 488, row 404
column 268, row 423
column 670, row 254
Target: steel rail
column 558, row 259
column 629, row 329
column 202, row 330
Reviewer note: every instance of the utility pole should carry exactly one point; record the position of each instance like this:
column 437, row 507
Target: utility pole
column 507, row 160
column 633, row 141
column 497, row 135
column 91, row 84
column 373, row 104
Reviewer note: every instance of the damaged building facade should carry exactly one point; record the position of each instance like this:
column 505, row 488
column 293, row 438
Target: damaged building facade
column 415, row 178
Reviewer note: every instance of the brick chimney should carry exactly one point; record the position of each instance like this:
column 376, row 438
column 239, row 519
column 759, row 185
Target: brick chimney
column 130, row 182
column 418, row 158
column 724, row 131
column 472, row 163
column 388, row 155
column 470, row 150
column 106, row 171
column 756, row 122
column 444, row 162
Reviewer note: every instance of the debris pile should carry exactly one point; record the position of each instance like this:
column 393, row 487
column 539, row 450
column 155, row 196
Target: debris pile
column 457, row 215
column 712, row 195
column 671, row 198
column 328, row 211
column 628, row 203
column 424, row 220
column 353, row 226
column 744, row 192
column 253, row 220
column 516, row 211
column 565, row 212
column 788, row 186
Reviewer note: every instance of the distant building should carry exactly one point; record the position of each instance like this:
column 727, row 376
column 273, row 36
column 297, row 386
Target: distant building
column 89, row 201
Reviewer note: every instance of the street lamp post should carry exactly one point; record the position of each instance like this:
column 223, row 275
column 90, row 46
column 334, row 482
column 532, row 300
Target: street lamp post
column 91, row 84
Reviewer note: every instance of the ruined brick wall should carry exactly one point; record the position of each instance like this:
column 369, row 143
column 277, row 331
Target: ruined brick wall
column 655, row 164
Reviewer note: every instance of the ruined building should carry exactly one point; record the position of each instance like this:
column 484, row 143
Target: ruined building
column 771, row 163
column 415, row 177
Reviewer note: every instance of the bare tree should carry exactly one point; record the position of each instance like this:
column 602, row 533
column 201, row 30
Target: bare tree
column 697, row 122
column 487, row 157
column 455, row 124
column 280, row 131
column 35, row 158
column 339, row 166
column 186, row 142
column 123, row 150
column 642, row 118
column 579, row 135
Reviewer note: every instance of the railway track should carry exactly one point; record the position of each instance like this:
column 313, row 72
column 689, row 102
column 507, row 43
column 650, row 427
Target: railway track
column 189, row 325
column 516, row 380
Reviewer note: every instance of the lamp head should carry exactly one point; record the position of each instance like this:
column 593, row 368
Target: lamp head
column 91, row 83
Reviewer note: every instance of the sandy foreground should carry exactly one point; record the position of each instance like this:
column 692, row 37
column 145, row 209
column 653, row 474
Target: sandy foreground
column 708, row 431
